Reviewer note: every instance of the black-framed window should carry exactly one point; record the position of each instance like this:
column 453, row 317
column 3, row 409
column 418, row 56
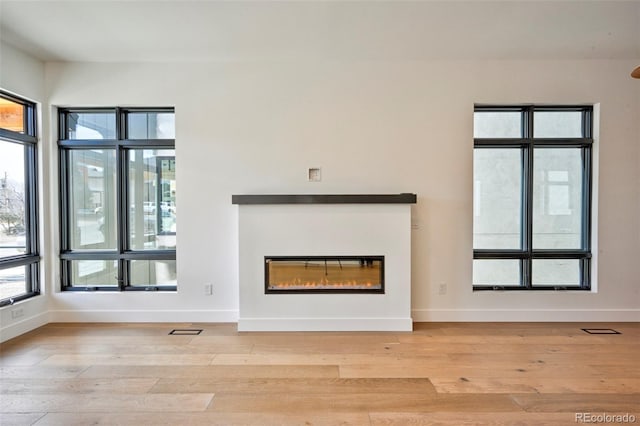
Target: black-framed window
column 19, row 252
column 118, row 191
column 532, row 197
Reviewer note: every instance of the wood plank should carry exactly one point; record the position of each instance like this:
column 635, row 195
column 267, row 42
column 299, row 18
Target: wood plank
column 214, row 371
column 327, row 340
column 346, row 348
column 406, row 370
column 105, row 402
column 535, row 385
column 82, row 340
column 20, row 419
column 580, row 338
column 126, row 359
column 22, row 358
column 355, row 402
column 46, row 350
column 457, row 385
column 205, row 419
column 432, row 348
column 326, row 358
column 585, row 403
column 40, row 372
column 306, row 386
column 626, row 356
column 617, row 371
column 471, row 419
column 73, row 386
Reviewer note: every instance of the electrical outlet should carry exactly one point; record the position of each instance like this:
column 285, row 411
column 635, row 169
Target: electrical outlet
column 208, row 289
column 17, row 313
column 442, row 289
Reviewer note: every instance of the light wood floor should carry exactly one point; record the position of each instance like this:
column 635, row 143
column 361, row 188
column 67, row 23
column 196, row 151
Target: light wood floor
column 442, row 373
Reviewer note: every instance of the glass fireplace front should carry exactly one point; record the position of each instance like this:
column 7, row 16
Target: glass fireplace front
column 324, row 274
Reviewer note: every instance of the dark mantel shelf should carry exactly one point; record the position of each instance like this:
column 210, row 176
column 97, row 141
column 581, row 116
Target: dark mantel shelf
column 404, row 198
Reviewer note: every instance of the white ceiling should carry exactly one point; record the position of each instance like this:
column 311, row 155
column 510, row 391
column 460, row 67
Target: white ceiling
column 207, row 30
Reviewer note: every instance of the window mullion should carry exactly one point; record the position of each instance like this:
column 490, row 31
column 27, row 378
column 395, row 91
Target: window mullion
column 527, row 195
column 65, row 199
column 121, row 203
column 527, row 213
column 588, row 206
column 33, row 121
column 123, row 274
column 587, row 128
column 585, row 278
column 121, row 123
column 31, row 197
column 587, row 167
column 26, row 122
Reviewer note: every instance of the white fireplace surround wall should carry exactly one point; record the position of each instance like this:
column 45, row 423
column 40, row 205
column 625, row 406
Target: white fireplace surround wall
column 326, row 229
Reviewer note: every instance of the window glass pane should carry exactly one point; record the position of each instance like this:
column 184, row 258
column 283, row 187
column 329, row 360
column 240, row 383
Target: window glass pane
column 152, row 192
column 557, row 124
column 497, row 198
column 151, row 125
column 153, row 272
column 562, row 272
column 492, row 124
column 496, row 272
column 94, row 273
column 91, row 125
column 12, row 115
column 12, row 199
column 92, row 179
column 557, row 198
column 13, row 282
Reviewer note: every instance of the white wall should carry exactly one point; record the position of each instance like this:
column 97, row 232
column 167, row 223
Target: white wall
column 373, row 127
column 23, row 75
column 20, row 73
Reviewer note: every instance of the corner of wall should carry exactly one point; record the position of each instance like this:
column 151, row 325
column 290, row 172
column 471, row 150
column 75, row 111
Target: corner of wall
column 20, row 319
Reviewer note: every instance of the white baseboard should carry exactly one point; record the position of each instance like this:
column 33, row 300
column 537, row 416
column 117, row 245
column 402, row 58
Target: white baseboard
column 526, row 315
column 325, row 324
column 24, row 326
column 144, row 316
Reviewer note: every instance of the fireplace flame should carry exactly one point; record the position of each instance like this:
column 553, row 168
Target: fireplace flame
column 322, row 284
column 351, row 274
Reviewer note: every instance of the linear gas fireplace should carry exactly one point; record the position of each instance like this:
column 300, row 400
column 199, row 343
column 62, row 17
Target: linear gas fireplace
column 324, row 274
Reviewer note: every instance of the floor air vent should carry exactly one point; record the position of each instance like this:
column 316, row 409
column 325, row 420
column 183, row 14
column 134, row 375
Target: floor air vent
column 600, row 331
column 187, row 332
